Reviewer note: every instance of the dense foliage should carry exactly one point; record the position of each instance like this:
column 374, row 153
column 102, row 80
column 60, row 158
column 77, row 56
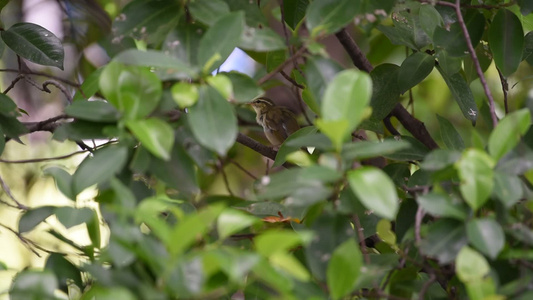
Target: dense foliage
column 382, row 206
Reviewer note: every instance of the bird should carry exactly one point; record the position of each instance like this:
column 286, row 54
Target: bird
column 278, row 122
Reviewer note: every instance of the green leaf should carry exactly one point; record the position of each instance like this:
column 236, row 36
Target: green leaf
column 231, row 221
column 70, row 216
column 449, row 134
column 294, row 11
column 452, row 39
column 108, row 293
column 449, row 64
column 507, row 188
column 476, row 174
column 63, row 181
column 526, row 7
column 367, row 149
column 208, row 11
column 486, row 235
column 274, row 241
column 416, row 150
column 89, row 87
column 285, row 149
column 154, row 134
column 30, row 284
column 336, row 131
column 261, row 40
column 385, row 90
column 471, row 266
column 8, row 108
column 506, row 40
column 97, row 111
column 440, row 205
column 134, row 91
column 414, row 69
column 64, row 270
column 191, row 227
column 407, row 29
column 181, row 39
column 445, row 239
column 439, row 159
column 430, row 19
column 179, row 173
column 222, row 84
column 35, row 44
column 344, row 268
column 219, row 41
column 346, row 98
column 157, row 59
column 319, row 72
column 462, row 94
column 34, row 217
column 326, row 17
column 146, row 20
column 375, row 190
column 244, row 87
column 91, row 170
column 213, row 121
column 508, row 132
column 184, row 94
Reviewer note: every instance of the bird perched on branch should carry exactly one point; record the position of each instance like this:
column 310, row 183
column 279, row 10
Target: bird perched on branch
column 278, row 122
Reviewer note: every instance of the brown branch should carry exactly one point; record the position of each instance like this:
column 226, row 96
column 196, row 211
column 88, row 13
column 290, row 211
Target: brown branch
column 12, row 85
column 268, row 76
column 413, row 125
column 425, row 287
column 37, row 160
column 7, row 190
column 473, row 55
column 256, row 146
column 361, row 237
column 71, row 83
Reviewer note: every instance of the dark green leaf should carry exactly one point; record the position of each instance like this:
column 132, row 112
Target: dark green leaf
column 319, row 72
column 97, row 111
column 526, row 7
column 385, row 90
column 506, row 40
column 430, row 19
column 414, row 69
column 367, row 149
column 453, row 40
column 330, row 232
column 35, row 44
column 253, row 13
column 181, row 39
column 375, row 190
column 416, row 150
column 449, row 134
column 449, row 64
column 219, row 41
column 212, row 121
column 462, row 94
column 485, row 60
column 12, row 127
column 244, row 87
column 146, row 20
column 294, row 11
column 408, row 29
column 486, row 235
column 34, row 217
column 179, row 173
column 8, row 108
column 91, row 170
column 89, row 86
column 70, row 216
column 80, row 130
column 64, row 270
column 441, row 205
column 507, row 188
column 261, row 40
column 32, row 285
column 344, row 268
column 444, row 241
column 326, row 17
column 440, row 159
column 285, row 149
column 317, row 140
column 63, row 181
column 208, row 11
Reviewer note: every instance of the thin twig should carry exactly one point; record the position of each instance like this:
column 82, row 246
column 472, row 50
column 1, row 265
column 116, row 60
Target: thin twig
column 220, row 167
column 505, row 89
column 24, row 240
column 256, row 146
column 361, row 237
column 240, row 167
column 292, row 81
column 418, row 223
column 473, row 55
column 268, row 76
column 37, row 160
column 12, row 85
column 427, row 284
column 71, row 83
column 10, row 195
column 59, row 86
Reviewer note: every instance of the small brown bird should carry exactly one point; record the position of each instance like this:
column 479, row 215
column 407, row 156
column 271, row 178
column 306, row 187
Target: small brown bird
column 278, row 122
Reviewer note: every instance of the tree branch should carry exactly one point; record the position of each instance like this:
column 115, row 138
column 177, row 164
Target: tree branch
column 413, row 125
column 256, row 146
